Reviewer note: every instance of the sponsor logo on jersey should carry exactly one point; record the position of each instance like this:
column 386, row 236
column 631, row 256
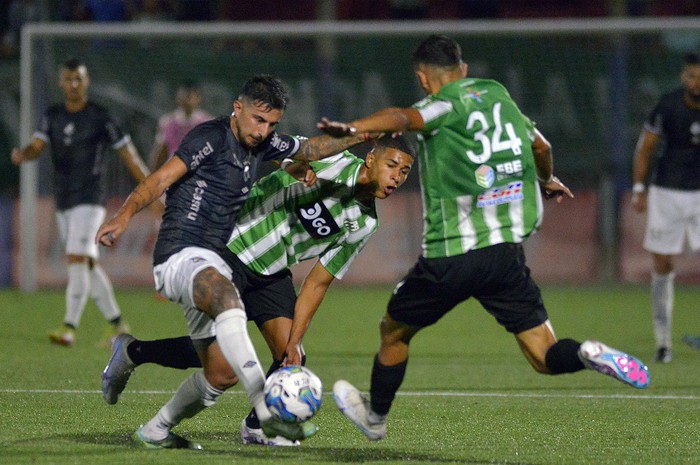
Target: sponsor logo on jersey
column 485, row 176
column 352, row 225
column 500, row 195
column 201, row 155
column 317, row 220
column 197, row 196
column 279, row 143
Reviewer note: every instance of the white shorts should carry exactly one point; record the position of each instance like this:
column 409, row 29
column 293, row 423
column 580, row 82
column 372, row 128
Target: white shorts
column 672, row 215
column 174, row 279
column 77, row 228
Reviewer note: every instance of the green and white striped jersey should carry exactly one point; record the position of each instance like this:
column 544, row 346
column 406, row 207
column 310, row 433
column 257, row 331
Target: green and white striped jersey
column 284, row 222
column 477, row 171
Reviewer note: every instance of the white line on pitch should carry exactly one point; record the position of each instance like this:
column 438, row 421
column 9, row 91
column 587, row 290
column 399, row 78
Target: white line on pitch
column 403, row 393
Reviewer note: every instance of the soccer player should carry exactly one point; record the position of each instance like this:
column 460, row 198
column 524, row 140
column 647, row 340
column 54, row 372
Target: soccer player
column 482, row 165
column 282, row 223
column 173, row 126
column 80, row 133
column 673, row 199
column 207, row 182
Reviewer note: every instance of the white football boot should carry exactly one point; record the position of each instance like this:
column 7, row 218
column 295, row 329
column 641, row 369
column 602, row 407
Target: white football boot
column 355, row 406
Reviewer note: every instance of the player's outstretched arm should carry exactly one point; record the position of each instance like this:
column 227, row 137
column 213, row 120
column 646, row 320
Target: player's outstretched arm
column 144, row 194
column 316, row 148
column 312, row 292
column 388, row 120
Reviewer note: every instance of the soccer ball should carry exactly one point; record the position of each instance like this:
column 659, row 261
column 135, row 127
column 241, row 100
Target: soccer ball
column 293, row 394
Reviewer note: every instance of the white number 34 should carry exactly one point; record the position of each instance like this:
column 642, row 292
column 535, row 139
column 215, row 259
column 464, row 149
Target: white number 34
column 496, row 143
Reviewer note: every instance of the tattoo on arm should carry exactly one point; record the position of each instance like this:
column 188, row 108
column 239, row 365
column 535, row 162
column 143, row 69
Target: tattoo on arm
column 325, row 146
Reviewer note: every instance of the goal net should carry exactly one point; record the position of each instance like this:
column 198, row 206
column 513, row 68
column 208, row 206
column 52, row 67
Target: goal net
column 588, row 85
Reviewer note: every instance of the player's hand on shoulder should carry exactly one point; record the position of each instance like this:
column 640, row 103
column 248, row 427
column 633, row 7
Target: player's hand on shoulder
column 302, row 172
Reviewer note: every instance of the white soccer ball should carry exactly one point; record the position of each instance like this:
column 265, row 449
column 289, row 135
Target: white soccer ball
column 293, row 394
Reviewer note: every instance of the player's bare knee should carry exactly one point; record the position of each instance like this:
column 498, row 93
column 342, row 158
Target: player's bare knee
column 221, row 379
column 393, row 332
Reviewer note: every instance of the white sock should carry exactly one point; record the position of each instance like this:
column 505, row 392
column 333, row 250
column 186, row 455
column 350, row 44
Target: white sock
column 102, row 293
column 232, row 336
column 194, row 395
column 662, row 307
column 77, row 292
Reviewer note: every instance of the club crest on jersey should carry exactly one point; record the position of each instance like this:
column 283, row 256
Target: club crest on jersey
column 485, row 176
column 201, row 155
column 695, row 133
column 352, row 225
column 279, row 143
column 500, row 195
column 317, row 220
column 68, row 132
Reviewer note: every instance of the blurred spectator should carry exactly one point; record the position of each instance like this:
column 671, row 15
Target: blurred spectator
column 267, row 10
column 408, row 9
column 151, row 10
column 18, row 13
column 173, row 127
column 103, row 10
column 196, row 10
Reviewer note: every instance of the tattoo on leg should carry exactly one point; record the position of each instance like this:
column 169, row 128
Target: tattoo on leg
column 214, row 293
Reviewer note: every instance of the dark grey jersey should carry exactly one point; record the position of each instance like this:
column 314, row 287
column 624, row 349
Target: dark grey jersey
column 678, row 167
column 79, row 143
column 202, row 206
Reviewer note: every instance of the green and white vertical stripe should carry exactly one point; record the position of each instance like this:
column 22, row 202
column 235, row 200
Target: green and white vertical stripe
column 477, row 171
column 269, row 236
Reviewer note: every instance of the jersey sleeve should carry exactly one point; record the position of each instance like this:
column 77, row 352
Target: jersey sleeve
column 198, row 146
column 282, row 146
column 116, row 137
column 655, row 122
column 433, row 111
column 42, row 131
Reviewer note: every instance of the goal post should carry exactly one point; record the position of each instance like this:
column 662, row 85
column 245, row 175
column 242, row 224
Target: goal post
column 562, row 73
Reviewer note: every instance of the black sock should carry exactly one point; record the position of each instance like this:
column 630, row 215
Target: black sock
column 386, row 380
column 176, row 352
column 562, row 357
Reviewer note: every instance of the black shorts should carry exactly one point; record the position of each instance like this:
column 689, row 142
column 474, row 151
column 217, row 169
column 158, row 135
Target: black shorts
column 496, row 276
column 264, row 297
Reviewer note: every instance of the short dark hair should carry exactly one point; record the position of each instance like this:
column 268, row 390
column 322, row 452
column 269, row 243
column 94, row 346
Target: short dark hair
column 73, row 64
column 267, row 90
column 691, row 59
column 438, row 50
column 399, row 142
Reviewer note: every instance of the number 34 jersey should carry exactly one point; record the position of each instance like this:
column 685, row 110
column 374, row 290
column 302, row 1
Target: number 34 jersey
column 284, row 222
column 477, row 172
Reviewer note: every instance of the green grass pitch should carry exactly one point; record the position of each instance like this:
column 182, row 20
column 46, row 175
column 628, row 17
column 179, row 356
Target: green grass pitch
column 469, row 396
